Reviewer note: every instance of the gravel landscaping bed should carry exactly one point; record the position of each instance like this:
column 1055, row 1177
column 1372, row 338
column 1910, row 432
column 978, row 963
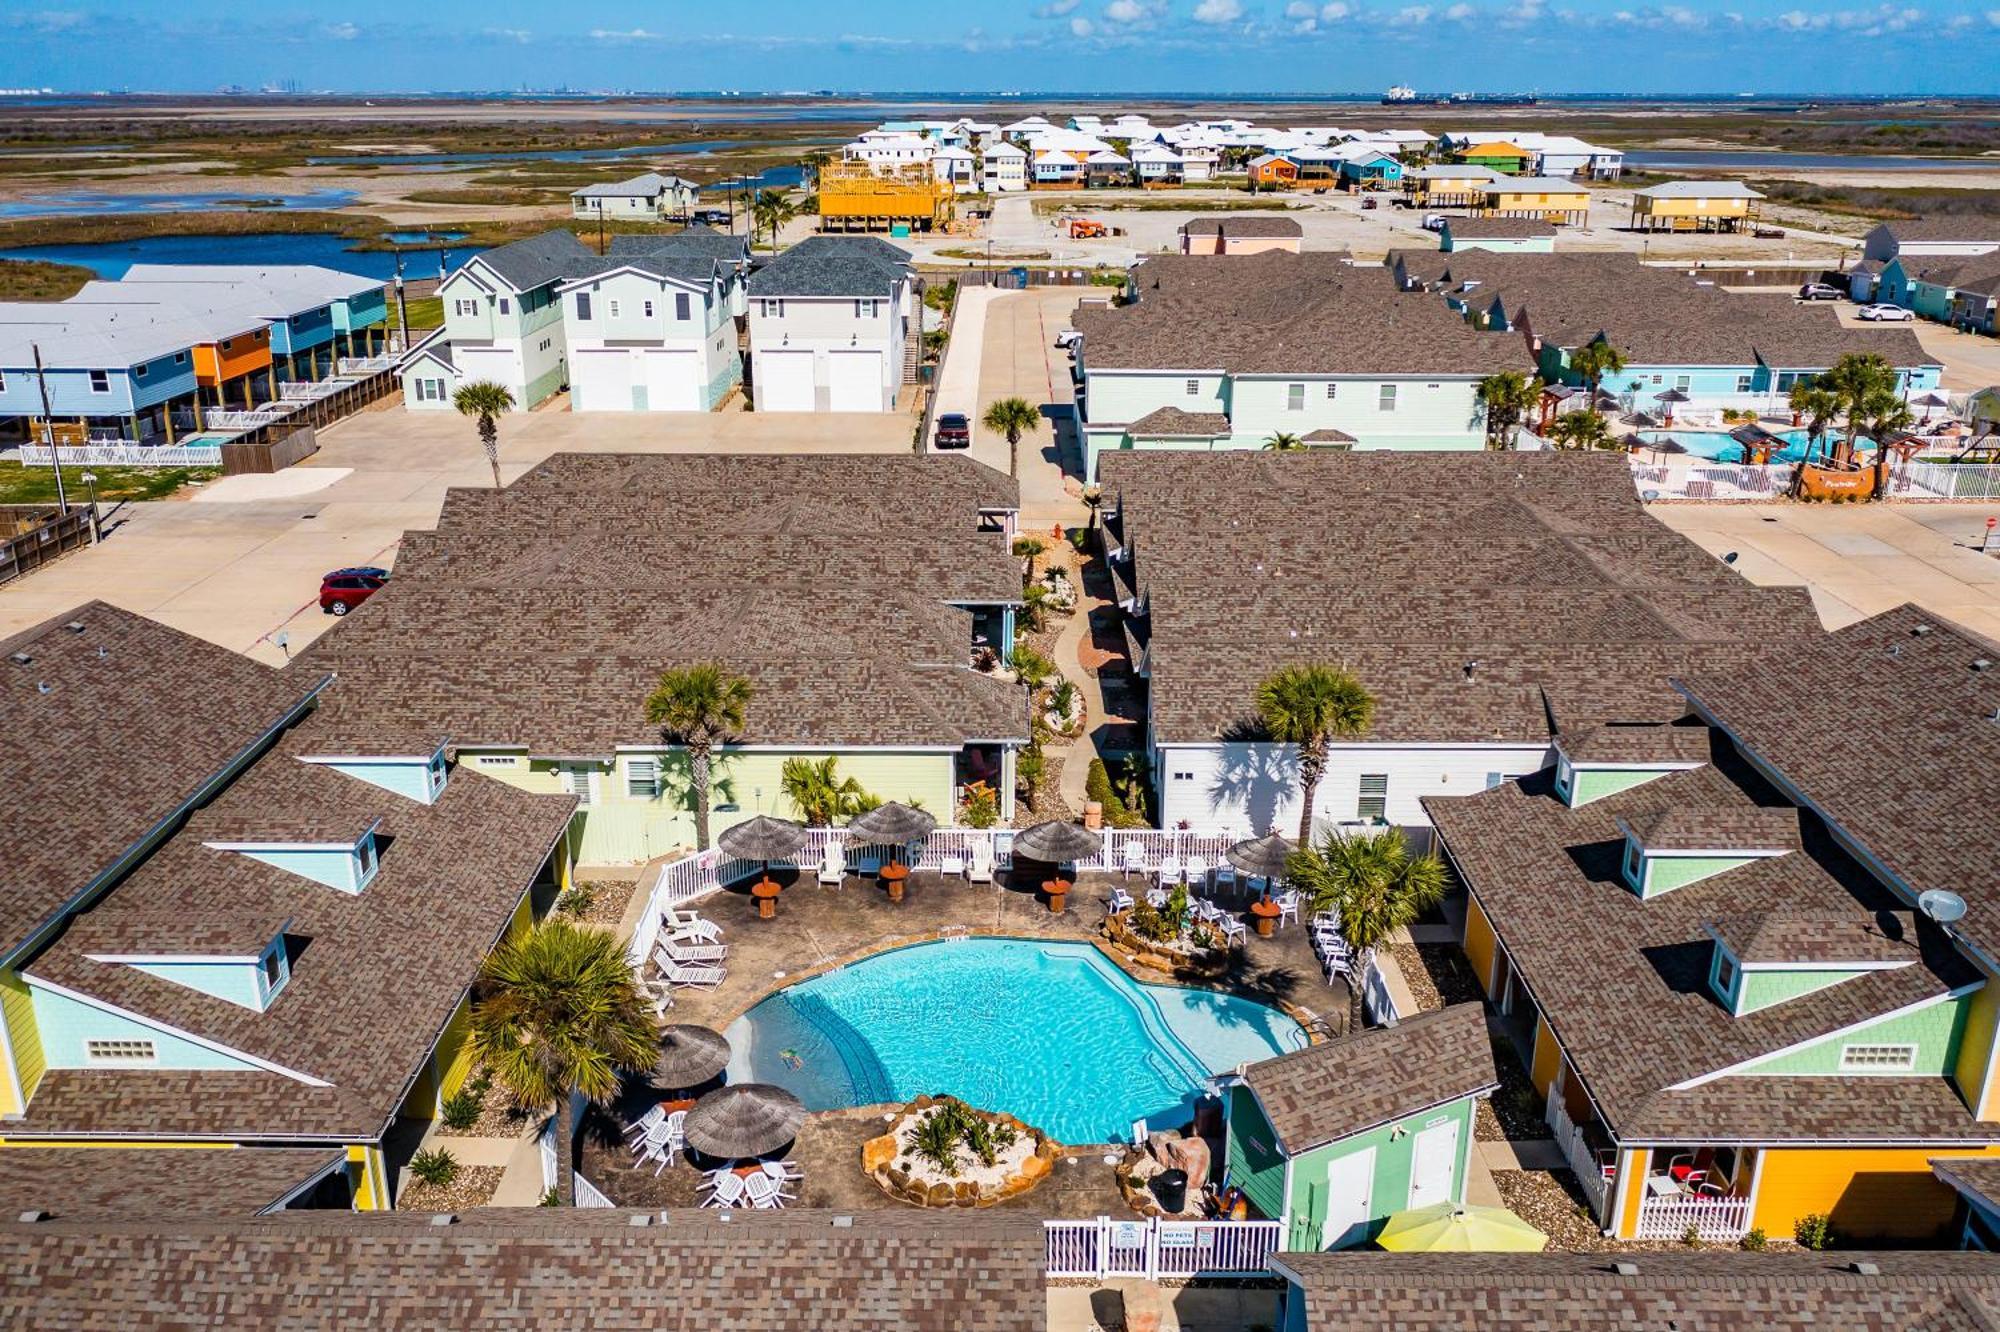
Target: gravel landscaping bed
column 597, row 901
column 497, row 1119
column 1515, row 1112
column 1550, row 1201
column 1444, row 967
column 1417, row 976
column 473, row 1187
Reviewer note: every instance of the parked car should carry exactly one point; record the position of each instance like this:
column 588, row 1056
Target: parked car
column 953, row 431
column 1887, row 314
column 1433, row 221
column 1068, row 339
column 344, row 589
column 1820, row 291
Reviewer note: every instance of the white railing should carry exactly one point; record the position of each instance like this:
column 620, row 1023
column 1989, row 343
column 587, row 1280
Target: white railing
column 1576, row 1149
column 587, row 1194
column 1376, row 1000
column 218, row 419
column 1711, row 481
column 126, row 455
column 361, row 366
column 1155, row 1248
column 1917, row 479
column 1719, row 1219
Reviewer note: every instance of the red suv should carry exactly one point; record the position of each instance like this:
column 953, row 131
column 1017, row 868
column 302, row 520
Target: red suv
column 344, row 589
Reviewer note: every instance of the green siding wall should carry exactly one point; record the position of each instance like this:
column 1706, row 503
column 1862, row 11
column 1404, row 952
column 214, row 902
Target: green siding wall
column 1395, row 1149
column 1663, row 874
column 1254, row 1163
column 1762, row 989
column 1935, row 1031
column 1592, row 784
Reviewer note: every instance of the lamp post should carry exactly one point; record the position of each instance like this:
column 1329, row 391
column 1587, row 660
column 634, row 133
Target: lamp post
column 90, row 481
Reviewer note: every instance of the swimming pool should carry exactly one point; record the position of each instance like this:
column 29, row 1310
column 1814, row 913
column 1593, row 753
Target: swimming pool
column 1053, row 1033
column 1721, row 446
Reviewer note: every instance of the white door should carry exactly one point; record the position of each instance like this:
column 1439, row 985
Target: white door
column 673, row 381
column 497, row 365
column 784, row 381
column 1350, row 1190
column 854, row 381
column 601, row 380
column 1433, row 1162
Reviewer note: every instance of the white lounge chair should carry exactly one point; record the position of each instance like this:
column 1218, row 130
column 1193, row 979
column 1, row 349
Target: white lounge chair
column 704, row 956
column 695, row 931
column 833, row 864
column 1134, row 857
column 672, row 918
column 691, row 976
column 981, row 868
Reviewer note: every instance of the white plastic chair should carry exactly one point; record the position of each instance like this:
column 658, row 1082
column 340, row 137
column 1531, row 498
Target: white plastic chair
column 764, row 1191
column 785, row 1172
column 1121, row 900
column 1232, row 928
column 1134, row 861
column 1288, row 907
column 1170, row 871
column 833, row 864
column 952, row 864
column 1197, row 873
column 726, row 1189
column 1156, row 898
column 981, row 868
column 639, row 1127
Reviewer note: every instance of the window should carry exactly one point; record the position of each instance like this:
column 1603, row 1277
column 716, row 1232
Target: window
column 682, row 306
column 1495, row 780
column 544, row 344
column 505, row 308
column 1725, row 973
column 430, row 390
column 1332, row 392
column 1373, row 807
column 1683, row 382
column 866, row 309
column 614, row 309
column 465, row 307
column 3, row 381
column 100, row 381
column 576, row 782
column 1878, row 1058
column 1183, row 776
column 642, row 778
column 1387, row 400
column 1295, row 397
column 646, row 309
column 137, row 373
column 583, row 306
column 1743, row 383
column 271, row 970
column 1633, row 867
column 367, row 853
column 180, row 358
column 1193, row 387
column 771, row 309
column 119, row 1052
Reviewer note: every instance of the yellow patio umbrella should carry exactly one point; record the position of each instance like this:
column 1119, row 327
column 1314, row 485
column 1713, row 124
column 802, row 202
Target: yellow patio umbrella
column 1460, row 1228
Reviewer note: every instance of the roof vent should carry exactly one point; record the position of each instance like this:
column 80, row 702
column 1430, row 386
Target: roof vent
column 1921, row 630
column 1472, row 668
column 638, row 1219
column 1895, row 649
column 20, row 658
column 31, row 1216
column 41, row 686
column 1982, row 663
column 1623, row 1268
column 843, row 1223
column 103, row 652
column 445, row 1219
column 74, row 626
column 1864, row 1269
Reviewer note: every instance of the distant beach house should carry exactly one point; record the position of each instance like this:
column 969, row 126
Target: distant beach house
column 648, row 198
column 1693, row 205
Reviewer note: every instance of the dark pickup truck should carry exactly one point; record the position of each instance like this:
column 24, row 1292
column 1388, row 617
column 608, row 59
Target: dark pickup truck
column 953, row 431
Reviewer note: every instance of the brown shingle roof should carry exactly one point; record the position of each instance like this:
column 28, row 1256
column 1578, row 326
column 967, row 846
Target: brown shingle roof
column 1975, row 1176
column 1560, row 591
column 1473, row 228
column 1282, row 313
column 1708, row 1291
column 374, row 976
column 1804, row 936
column 1623, row 982
column 1722, row 828
column 1364, row 1080
column 1917, row 785
column 1172, row 421
column 791, row 1271
column 1229, row 225
column 112, row 747
column 110, row 1184
column 1600, row 743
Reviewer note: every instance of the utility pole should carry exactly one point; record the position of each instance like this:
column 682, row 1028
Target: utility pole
column 49, row 431
column 402, row 303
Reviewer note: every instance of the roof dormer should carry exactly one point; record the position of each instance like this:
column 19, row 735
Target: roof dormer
column 1674, row 847
column 1764, row 958
column 1605, row 758
column 418, row 773
column 338, row 860
column 242, row 961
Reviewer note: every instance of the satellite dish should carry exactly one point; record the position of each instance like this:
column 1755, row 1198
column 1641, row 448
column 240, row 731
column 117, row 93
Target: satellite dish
column 1941, row 906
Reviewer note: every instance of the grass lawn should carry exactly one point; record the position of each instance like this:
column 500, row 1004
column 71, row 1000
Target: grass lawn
column 37, row 485
column 426, row 312
column 37, row 280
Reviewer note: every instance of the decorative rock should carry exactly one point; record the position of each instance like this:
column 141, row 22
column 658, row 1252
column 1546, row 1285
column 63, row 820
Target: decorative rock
column 910, row 1180
column 1191, row 1155
column 941, row 1195
column 1036, row 1168
column 877, row 1153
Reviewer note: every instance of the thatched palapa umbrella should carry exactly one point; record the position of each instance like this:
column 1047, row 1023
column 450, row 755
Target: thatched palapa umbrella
column 689, row 1056
column 745, row 1119
column 763, row 839
column 894, row 825
column 1265, row 856
column 1056, row 843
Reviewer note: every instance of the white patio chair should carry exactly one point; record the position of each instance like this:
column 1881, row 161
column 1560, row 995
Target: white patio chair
column 656, row 1137
column 1225, row 879
column 726, row 1189
column 670, row 952
column 1288, row 907
column 1232, row 928
column 692, row 977
column 785, row 1172
column 695, row 931
column 764, row 1191
column 1169, row 872
column 639, row 1127
column 1156, row 898
column 952, row 864
column 833, row 864
column 1134, row 857
column 1120, row 900
column 981, row 868
column 1197, row 873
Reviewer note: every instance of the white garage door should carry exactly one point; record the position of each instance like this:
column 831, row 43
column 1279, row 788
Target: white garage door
column 673, row 381
column 601, row 381
column 854, row 381
column 494, row 365
column 784, row 381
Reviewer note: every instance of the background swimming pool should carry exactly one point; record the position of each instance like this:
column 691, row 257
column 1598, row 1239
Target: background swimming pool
column 1053, row 1033
column 1721, row 446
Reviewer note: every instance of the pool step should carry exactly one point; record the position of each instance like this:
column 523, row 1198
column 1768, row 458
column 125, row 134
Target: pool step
column 865, row 1074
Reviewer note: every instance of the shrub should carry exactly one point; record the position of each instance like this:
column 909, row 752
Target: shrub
column 461, row 1109
column 1814, row 1231
column 1032, row 667
column 1117, row 813
column 577, row 900
column 1147, row 922
column 1030, row 768
column 982, row 806
column 551, row 1198
column 1178, row 910
column 1028, row 547
column 1064, row 698
column 435, row 1166
column 1753, row 1240
column 1691, row 1237
column 936, row 1141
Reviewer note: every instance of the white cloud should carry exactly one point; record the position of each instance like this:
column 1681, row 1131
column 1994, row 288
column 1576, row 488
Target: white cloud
column 1459, row 13
column 1124, row 11
column 48, row 20
column 626, row 35
column 1080, row 26
column 1409, row 16
column 1335, row 11
column 1057, row 8
column 510, row 34
column 341, row 32
column 1218, row 11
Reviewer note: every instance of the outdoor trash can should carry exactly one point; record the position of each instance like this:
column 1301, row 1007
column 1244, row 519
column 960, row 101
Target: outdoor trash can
column 1170, row 1187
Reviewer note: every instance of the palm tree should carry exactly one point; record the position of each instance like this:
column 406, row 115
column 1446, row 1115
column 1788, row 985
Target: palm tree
column 1371, row 883
column 1816, row 407
column 1307, row 706
column 698, row 707
column 1093, row 500
column 1882, row 415
column 556, row 1013
column 1508, row 396
column 820, row 794
column 1593, row 361
column 487, row 401
column 1012, row 417
column 1284, row 441
column 1580, row 430
column 769, row 211
column 1863, row 386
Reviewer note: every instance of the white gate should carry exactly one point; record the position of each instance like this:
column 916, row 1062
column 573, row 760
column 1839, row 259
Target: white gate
column 1154, row 1248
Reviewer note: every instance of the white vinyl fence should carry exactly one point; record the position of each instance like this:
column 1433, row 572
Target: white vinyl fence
column 1917, row 479
column 1711, row 481
column 125, row 455
column 1716, row 1219
column 1155, row 1248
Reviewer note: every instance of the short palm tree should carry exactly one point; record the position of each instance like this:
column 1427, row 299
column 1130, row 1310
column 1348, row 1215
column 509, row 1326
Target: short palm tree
column 1012, row 417
column 1883, row 415
column 1593, row 361
column 770, row 210
column 1093, row 500
column 1283, row 441
column 1580, row 430
column 699, row 707
column 1370, row 883
column 488, row 402
column 1307, row 706
column 1816, row 407
column 557, row 1013
column 1507, row 396
column 820, row 794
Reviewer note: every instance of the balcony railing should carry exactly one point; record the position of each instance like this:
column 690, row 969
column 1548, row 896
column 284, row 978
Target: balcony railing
column 1670, row 1218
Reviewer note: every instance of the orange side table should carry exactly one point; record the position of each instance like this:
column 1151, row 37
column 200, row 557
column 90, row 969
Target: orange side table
column 1058, row 891
column 1264, row 915
column 894, row 877
column 765, row 891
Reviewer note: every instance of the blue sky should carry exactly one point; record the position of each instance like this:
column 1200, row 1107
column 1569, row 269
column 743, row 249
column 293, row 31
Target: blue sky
column 1791, row 46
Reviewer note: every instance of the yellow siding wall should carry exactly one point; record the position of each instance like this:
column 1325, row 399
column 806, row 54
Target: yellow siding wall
column 454, row 1052
column 1976, row 1050
column 1479, row 944
column 17, row 1009
column 1632, row 1172
column 371, row 1181
column 1548, row 1056
column 1887, row 1194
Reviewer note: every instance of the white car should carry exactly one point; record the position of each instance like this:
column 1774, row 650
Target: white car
column 1888, row 314
column 1069, row 339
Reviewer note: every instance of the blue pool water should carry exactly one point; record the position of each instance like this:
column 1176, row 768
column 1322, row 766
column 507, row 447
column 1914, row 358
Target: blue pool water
column 1722, row 447
column 1052, row 1033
